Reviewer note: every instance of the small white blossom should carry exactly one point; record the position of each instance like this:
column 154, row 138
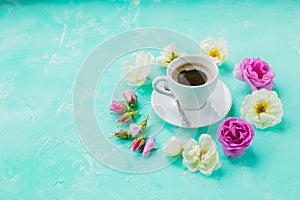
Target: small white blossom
column 217, row 50
column 202, row 156
column 173, row 147
column 137, row 69
column 169, row 53
column 262, row 108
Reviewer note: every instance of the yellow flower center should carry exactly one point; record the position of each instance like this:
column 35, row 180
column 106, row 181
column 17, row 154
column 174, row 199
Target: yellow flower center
column 138, row 79
column 215, row 53
column 202, row 152
column 172, row 57
column 260, row 107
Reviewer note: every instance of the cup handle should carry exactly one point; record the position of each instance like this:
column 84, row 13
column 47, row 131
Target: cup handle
column 157, row 88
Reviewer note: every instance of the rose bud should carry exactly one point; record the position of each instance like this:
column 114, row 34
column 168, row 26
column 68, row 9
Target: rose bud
column 118, row 107
column 138, row 143
column 127, row 117
column 123, row 134
column 143, row 124
column 130, row 97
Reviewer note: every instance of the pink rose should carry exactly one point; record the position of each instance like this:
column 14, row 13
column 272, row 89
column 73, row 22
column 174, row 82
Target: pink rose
column 235, row 135
column 255, row 72
column 118, row 107
column 130, row 97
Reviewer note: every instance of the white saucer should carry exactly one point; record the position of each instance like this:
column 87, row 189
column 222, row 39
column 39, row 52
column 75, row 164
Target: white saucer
column 216, row 108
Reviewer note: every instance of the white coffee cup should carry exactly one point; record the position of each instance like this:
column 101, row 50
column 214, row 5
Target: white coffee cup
column 190, row 97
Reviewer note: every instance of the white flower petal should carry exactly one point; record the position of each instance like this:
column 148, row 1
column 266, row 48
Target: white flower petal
column 189, row 152
column 213, row 164
column 218, row 165
column 203, row 156
column 270, row 112
column 206, row 142
column 163, row 61
column 192, row 166
column 137, row 68
column 173, row 147
column 219, row 49
column 169, row 50
column 168, row 54
column 208, row 43
column 190, row 144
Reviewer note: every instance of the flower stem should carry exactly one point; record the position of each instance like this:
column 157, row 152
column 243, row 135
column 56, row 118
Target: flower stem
column 111, row 137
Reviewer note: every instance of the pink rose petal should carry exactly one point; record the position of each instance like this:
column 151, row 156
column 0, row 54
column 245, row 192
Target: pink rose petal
column 148, row 146
column 134, row 129
column 237, row 72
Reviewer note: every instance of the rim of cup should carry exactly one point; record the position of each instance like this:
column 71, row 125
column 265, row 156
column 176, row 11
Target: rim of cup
column 186, row 58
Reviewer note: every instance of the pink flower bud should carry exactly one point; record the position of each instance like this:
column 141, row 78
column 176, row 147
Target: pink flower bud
column 130, row 97
column 148, row 146
column 143, row 124
column 118, row 107
column 138, row 143
column 127, row 117
column 123, row 134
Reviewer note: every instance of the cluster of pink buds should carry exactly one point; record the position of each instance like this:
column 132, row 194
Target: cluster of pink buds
column 125, row 109
column 140, row 143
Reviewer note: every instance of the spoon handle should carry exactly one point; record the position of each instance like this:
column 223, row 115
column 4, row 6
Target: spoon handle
column 184, row 119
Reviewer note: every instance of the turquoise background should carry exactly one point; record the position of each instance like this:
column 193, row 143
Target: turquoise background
column 42, row 47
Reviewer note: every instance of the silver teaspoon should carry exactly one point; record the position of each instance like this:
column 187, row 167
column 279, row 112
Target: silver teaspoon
column 184, row 119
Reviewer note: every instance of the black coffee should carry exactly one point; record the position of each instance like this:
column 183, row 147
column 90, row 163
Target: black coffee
column 191, row 77
column 191, row 74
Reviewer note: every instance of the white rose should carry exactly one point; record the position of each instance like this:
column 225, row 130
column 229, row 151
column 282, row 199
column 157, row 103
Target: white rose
column 169, row 53
column 202, row 156
column 137, row 69
column 217, row 50
column 262, row 108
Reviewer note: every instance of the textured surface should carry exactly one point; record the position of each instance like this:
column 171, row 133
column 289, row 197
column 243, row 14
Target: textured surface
column 42, row 46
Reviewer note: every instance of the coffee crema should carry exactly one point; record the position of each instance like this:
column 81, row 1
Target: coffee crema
column 191, row 74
